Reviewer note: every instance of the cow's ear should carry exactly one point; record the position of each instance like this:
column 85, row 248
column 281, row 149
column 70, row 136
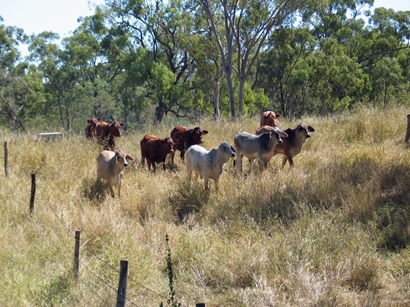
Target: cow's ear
column 283, row 134
column 98, row 118
column 311, row 129
column 277, row 115
column 205, row 132
column 122, row 124
column 128, row 157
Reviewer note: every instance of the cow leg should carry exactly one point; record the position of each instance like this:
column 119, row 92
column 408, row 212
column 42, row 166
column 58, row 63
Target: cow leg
column 206, row 180
column 111, row 190
column 284, row 159
column 216, row 184
column 189, row 173
column 290, row 162
column 262, row 165
column 182, row 155
column 239, row 162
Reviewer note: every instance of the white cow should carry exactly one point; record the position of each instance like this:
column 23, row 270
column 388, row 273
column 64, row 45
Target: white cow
column 208, row 164
column 259, row 147
column 109, row 167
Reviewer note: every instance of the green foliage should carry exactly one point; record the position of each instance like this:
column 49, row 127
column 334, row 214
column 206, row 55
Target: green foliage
column 135, row 60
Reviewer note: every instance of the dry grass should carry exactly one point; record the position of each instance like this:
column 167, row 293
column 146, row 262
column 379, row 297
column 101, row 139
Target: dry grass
column 333, row 231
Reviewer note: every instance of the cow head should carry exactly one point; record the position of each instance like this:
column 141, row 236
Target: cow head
column 92, row 125
column 167, row 145
column 305, row 130
column 115, row 129
column 227, row 149
column 195, row 136
column 270, row 118
column 122, row 159
column 279, row 134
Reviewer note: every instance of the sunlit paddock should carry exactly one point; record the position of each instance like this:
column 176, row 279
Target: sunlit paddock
column 334, row 230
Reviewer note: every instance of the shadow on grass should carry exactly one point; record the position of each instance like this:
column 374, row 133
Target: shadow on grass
column 93, row 190
column 187, row 201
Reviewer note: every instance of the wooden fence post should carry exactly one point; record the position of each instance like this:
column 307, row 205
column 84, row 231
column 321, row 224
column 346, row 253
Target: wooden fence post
column 6, row 159
column 77, row 254
column 122, row 285
column 408, row 129
column 33, row 193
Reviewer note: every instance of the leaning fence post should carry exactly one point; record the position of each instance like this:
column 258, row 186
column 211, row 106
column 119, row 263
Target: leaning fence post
column 122, row 285
column 77, row 254
column 6, row 159
column 33, row 193
column 408, row 129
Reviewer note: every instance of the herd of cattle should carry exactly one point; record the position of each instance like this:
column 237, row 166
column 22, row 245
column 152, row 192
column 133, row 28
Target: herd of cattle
column 267, row 141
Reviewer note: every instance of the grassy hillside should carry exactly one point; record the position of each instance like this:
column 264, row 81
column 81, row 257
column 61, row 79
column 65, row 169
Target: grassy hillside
column 332, row 231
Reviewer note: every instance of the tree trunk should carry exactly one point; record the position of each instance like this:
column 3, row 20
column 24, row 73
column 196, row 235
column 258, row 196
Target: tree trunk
column 160, row 110
column 217, row 112
column 241, row 96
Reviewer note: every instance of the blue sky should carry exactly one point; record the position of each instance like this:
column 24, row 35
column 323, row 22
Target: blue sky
column 60, row 16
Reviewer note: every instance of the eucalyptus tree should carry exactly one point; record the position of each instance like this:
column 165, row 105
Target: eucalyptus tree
column 283, row 71
column 163, row 28
column 240, row 29
column 387, row 58
column 21, row 92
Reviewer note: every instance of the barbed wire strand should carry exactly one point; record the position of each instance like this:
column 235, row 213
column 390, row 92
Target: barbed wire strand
column 71, row 229
column 106, row 285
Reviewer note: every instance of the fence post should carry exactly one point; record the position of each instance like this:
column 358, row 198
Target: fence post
column 33, row 193
column 6, row 159
column 77, row 254
column 200, row 305
column 408, row 129
column 122, row 285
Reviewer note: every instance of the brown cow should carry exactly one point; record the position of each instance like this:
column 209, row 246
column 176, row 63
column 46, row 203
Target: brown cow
column 156, row 150
column 184, row 137
column 292, row 145
column 108, row 132
column 269, row 118
column 90, row 129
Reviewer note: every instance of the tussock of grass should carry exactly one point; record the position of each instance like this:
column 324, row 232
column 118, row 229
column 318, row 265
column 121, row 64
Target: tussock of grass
column 334, row 230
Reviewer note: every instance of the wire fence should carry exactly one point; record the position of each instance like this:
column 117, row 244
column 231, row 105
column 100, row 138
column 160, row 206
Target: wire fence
column 69, row 230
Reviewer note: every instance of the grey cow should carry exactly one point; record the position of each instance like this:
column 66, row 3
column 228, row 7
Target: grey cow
column 208, row 164
column 109, row 167
column 260, row 147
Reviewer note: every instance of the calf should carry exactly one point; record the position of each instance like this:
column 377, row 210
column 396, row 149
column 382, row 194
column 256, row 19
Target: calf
column 156, row 150
column 91, row 127
column 292, row 145
column 269, row 118
column 184, row 138
column 208, row 164
column 259, row 147
column 109, row 167
column 108, row 132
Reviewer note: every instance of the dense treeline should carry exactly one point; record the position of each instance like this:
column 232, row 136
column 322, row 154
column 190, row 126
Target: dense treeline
column 139, row 61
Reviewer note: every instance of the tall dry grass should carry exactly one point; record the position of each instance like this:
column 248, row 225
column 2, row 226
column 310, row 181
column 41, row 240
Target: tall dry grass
column 332, row 231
